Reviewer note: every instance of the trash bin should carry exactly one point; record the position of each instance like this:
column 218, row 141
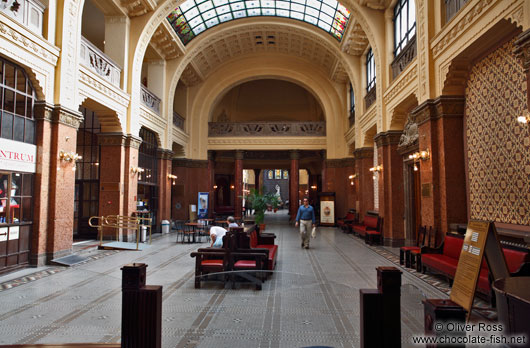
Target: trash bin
column 143, row 234
column 165, row 226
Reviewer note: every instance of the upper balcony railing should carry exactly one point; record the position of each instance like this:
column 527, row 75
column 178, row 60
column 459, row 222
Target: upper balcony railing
column 370, row 98
column 99, row 62
column 28, row 12
column 178, row 121
column 150, row 100
column 452, row 7
column 266, row 129
column 404, row 57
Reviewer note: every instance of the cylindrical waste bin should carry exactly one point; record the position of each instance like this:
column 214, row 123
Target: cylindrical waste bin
column 143, row 235
column 165, row 226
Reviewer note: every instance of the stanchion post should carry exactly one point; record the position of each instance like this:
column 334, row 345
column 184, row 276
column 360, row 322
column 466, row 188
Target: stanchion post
column 438, row 314
column 141, row 320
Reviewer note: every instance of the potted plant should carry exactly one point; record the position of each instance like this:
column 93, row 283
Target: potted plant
column 260, row 203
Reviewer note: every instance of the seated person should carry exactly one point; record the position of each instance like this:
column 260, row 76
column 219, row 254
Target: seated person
column 216, row 235
column 231, row 222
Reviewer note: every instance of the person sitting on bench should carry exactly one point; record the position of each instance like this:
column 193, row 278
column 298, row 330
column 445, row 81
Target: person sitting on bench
column 216, row 235
column 231, row 222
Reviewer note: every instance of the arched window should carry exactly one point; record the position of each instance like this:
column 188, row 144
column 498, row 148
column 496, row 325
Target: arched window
column 404, row 24
column 17, row 99
column 370, row 70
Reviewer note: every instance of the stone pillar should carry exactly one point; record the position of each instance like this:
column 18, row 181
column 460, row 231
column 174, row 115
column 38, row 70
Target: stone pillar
column 442, row 176
column 130, row 182
column 211, row 183
column 294, row 183
column 364, row 160
column 391, row 189
column 522, row 51
column 56, row 132
column 238, row 182
column 117, row 42
column 164, row 196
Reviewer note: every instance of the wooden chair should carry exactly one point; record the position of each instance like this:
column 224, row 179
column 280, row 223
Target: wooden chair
column 244, row 263
column 404, row 252
column 209, row 261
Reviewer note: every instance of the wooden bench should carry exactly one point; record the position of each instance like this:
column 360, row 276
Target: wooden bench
column 369, row 229
column 350, row 218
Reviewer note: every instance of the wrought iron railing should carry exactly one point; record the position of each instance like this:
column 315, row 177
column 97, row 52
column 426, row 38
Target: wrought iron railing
column 150, row 100
column 178, row 121
column 266, row 129
column 370, row 97
column 99, row 62
column 452, row 7
column 404, row 58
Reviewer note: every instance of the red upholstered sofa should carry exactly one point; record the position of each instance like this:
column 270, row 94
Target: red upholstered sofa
column 369, row 229
column 265, row 242
column 348, row 220
column 444, row 260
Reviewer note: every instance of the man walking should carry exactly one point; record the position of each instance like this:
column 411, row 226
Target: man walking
column 306, row 219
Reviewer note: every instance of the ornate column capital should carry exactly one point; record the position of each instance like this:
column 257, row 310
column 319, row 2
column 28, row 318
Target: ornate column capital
column 133, row 141
column 112, row 139
column 164, row 154
column 522, row 49
column 43, row 111
column 240, row 154
column 363, row 152
column 67, row 117
column 442, row 107
column 294, row 154
column 388, row 138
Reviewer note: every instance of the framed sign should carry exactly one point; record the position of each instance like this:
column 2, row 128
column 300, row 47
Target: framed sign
column 327, row 208
column 480, row 240
column 203, row 205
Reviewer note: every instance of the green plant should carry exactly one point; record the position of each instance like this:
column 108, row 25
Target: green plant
column 260, row 203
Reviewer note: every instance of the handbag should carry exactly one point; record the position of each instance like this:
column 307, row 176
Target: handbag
column 314, row 232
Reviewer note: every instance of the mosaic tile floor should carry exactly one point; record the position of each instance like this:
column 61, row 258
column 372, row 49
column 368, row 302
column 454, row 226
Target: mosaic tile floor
column 311, row 300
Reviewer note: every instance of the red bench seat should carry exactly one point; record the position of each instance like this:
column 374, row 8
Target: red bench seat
column 272, row 248
column 369, row 223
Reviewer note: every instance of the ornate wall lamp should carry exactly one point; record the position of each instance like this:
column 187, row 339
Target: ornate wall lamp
column 70, row 157
column 524, row 119
column 137, row 170
column 376, row 169
column 420, row 156
column 314, row 187
column 172, row 177
column 351, row 177
column 215, row 187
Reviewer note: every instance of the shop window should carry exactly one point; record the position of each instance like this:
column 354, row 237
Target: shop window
column 16, row 198
column 17, row 98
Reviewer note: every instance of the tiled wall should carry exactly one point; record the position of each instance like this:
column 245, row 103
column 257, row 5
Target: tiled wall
column 498, row 147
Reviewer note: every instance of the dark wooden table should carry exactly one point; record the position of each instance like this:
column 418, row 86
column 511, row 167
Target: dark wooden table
column 513, row 304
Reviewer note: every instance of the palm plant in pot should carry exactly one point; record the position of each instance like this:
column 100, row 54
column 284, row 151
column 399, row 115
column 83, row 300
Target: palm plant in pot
column 260, row 203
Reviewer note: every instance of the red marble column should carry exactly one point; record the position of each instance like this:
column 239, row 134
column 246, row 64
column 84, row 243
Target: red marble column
column 165, row 183
column 294, row 183
column 238, row 178
column 391, row 189
column 442, row 176
column 56, row 131
column 130, row 180
column 211, row 183
column 364, row 160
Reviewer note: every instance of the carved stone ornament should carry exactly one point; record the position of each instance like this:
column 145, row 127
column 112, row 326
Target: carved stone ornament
column 410, row 134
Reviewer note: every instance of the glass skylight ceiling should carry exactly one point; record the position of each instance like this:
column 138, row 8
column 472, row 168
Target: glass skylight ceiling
column 195, row 16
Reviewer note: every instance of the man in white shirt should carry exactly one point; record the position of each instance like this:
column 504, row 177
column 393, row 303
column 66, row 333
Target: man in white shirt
column 216, row 235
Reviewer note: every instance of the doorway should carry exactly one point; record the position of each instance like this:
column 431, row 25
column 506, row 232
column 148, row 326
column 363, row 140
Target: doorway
column 412, row 201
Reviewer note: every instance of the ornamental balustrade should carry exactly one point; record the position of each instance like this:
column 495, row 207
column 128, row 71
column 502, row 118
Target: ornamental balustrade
column 30, row 13
column 286, row 129
column 99, row 62
column 404, row 58
column 150, row 100
column 178, row 121
column 370, row 97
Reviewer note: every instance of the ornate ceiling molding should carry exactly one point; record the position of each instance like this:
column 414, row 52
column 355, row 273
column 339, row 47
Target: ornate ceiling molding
column 138, row 7
column 356, row 42
column 166, row 42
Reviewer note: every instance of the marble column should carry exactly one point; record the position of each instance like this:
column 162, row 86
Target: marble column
column 211, row 183
column 294, row 183
column 238, row 183
column 164, row 196
column 364, row 160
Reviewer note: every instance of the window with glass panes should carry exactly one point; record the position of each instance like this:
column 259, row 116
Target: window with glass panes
column 17, row 98
column 404, row 24
column 352, row 101
column 86, row 194
column 16, row 197
column 370, row 70
column 147, row 157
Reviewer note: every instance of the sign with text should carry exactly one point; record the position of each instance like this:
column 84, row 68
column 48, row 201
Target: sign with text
column 16, row 156
column 469, row 263
column 203, row 205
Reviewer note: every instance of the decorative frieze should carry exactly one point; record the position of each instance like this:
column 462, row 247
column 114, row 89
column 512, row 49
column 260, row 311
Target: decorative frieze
column 138, row 7
column 443, row 106
column 299, row 141
column 112, row 139
column 133, row 141
column 388, row 138
column 67, row 117
column 340, row 163
column 232, row 129
column 43, row 111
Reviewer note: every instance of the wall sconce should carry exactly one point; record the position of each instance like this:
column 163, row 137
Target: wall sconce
column 313, row 187
column 136, row 170
column 172, row 177
column 215, row 187
column 421, row 155
column 232, row 187
column 69, row 156
column 524, row 119
column 376, row 169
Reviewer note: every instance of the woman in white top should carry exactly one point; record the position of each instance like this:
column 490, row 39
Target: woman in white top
column 216, row 235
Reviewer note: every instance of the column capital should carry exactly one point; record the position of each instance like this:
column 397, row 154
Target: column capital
column 112, row 139
column 43, row 111
column 442, row 107
column 240, row 154
column 294, row 154
column 363, row 152
column 57, row 114
column 133, row 141
column 164, row 154
column 211, row 155
column 522, row 49
column 391, row 137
